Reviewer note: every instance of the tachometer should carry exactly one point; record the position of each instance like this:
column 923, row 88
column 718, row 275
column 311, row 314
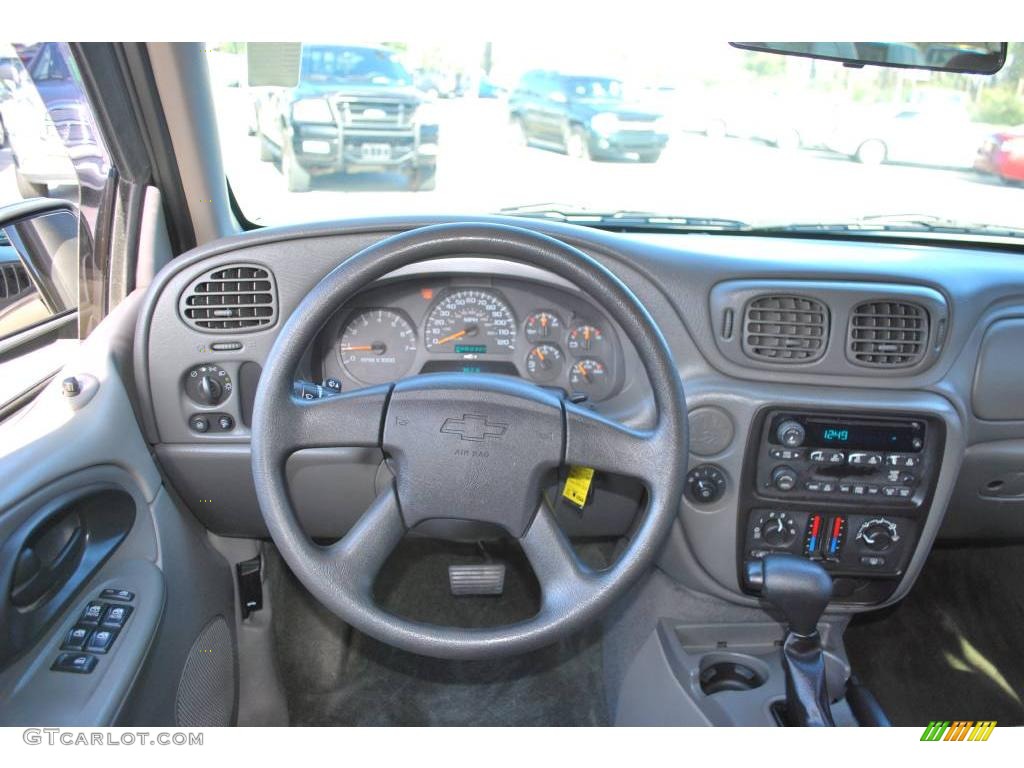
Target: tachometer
column 377, row 346
column 470, row 321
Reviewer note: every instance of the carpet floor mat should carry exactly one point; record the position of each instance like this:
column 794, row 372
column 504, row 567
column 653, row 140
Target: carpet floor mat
column 334, row 675
column 953, row 649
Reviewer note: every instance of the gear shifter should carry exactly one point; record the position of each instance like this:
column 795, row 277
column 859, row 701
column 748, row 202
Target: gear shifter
column 800, row 589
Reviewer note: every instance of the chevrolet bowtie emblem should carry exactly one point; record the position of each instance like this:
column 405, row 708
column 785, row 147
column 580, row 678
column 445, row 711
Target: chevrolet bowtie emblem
column 473, row 427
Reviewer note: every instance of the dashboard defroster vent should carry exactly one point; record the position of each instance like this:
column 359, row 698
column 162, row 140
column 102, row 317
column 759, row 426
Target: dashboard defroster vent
column 888, row 334
column 785, row 329
column 235, row 298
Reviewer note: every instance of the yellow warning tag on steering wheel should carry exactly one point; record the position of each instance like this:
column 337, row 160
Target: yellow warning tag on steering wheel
column 577, row 485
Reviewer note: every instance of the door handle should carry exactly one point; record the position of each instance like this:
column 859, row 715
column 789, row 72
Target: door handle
column 46, row 562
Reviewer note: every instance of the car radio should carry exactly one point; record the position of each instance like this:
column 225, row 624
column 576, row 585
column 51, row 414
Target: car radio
column 874, row 460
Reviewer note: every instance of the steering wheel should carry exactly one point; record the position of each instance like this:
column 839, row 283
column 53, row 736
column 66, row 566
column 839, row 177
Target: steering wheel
column 469, row 447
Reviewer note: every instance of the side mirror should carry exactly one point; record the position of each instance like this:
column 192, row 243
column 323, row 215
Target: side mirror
column 47, row 245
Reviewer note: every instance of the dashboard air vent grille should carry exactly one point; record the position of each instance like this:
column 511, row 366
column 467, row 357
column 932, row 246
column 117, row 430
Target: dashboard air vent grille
column 785, row 329
column 233, row 298
column 888, row 334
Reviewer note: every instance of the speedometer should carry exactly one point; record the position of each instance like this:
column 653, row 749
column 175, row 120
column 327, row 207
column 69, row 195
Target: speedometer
column 471, row 321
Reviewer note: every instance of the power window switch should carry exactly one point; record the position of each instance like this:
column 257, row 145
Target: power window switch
column 92, row 614
column 117, row 594
column 101, row 640
column 75, row 641
column 116, row 616
column 80, row 663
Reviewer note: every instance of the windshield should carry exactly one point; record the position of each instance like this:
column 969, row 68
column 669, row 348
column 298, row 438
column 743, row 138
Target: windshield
column 339, row 64
column 641, row 133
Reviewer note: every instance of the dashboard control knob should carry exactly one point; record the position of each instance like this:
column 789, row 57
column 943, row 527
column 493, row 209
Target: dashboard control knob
column 791, row 433
column 209, row 390
column 777, row 529
column 878, row 534
column 706, row 483
column 784, row 478
column 207, row 384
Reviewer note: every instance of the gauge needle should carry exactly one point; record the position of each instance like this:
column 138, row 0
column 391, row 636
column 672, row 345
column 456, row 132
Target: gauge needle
column 583, row 371
column 468, row 331
column 378, row 347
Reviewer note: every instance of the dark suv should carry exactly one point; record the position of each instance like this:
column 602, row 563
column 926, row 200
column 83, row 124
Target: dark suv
column 587, row 117
column 354, row 110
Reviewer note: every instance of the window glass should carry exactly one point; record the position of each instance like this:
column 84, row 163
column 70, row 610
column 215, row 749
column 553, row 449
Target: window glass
column 49, row 147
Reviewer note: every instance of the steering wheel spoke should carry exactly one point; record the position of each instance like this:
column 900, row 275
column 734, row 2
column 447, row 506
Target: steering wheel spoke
column 564, row 580
column 354, row 561
column 350, row 419
column 592, row 440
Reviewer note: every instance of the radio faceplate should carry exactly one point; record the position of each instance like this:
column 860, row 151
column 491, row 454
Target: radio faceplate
column 844, row 459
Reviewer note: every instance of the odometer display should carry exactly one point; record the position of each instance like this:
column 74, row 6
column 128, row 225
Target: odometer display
column 470, row 318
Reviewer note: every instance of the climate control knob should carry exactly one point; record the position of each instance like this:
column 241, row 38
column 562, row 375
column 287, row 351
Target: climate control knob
column 784, row 478
column 791, row 433
column 879, row 534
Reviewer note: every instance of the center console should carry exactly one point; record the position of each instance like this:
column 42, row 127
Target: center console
column 848, row 490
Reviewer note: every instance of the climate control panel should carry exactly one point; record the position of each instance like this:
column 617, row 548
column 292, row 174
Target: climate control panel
column 850, row 544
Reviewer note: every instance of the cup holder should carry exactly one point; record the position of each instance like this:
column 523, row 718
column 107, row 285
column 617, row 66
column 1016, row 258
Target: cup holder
column 731, row 672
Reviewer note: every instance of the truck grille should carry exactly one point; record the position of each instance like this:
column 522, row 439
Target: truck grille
column 376, row 113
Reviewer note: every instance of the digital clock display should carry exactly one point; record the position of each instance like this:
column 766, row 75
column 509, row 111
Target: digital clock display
column 868, row 436
column 835, row 435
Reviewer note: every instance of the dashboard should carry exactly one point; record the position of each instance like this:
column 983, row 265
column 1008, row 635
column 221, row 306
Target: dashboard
column 546, row 334
column 867, row 347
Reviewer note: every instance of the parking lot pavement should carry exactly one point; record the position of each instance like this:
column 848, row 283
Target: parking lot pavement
column 481, row 169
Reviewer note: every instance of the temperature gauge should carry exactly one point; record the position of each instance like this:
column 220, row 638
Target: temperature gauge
column 543, row 325
column 586, row 340
column 544, row 363
column 590, row 376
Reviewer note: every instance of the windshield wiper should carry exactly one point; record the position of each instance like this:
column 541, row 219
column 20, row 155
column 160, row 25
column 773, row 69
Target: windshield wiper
column 622, row 218
column 901, row 222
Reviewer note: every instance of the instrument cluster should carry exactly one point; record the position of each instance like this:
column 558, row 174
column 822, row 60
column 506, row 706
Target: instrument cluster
column 542, row 333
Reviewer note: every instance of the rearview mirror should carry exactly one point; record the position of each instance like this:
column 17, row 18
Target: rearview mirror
column 967, row 58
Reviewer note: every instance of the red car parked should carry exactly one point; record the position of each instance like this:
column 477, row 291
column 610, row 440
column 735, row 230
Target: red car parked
column 1002, row 154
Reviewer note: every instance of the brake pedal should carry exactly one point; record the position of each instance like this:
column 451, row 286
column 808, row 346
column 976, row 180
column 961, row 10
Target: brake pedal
column 483, row 579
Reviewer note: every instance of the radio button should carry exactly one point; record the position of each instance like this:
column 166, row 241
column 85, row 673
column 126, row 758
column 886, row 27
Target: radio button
column 812, row 485
column 828, row 457
column 787, row 454
column 872, row 490
column 902, row 460
column 865, row 459
column 845, row 487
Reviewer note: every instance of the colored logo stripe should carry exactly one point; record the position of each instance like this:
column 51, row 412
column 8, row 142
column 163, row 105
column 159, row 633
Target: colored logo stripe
column 958, row 730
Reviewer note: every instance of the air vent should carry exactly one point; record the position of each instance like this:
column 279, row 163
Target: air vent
column 888, row 334
column 785, row 329
column 235, row 298
column 13, row 281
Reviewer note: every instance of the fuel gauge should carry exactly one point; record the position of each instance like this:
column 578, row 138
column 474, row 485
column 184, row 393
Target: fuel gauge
column 544, row 363
column 590, row 376
column 543, row 325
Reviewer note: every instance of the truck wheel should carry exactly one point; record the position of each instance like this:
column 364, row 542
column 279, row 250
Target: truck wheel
column 871, row 152
column 296, row 177
column 266, row 150
column 28, row 188
column 423, row 178
column 576, row 144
